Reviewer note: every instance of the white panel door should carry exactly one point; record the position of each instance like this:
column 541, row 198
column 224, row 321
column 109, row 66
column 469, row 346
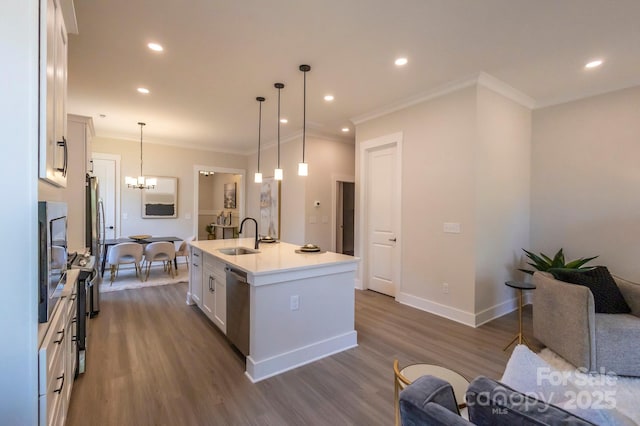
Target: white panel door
column 382, row 193
column 106, row 171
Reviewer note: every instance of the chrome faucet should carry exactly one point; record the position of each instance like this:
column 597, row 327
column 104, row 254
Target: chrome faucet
column 254, row 221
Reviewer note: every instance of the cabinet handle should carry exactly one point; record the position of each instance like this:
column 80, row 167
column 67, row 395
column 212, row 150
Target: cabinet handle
column 196, row 255
column 211, row 288
column 61, row 338
column 91, row 169
column 61, row 384
column 63, row 144
column 196, row 265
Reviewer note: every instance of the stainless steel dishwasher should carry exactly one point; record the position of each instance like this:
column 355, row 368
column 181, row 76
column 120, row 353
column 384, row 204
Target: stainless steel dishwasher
column 238, row 309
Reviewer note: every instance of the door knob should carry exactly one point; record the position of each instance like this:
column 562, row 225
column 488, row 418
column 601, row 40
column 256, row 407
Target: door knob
column 109, row 227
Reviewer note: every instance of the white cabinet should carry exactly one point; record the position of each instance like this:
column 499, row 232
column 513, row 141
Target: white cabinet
column 195, row 276
column 54, row 160
column 209, row 292
column 214, row 291
column 57, row 357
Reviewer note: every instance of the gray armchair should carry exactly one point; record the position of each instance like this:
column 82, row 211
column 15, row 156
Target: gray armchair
column 564, row 320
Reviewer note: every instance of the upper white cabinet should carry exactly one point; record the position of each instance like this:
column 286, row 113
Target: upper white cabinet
column 54, row 157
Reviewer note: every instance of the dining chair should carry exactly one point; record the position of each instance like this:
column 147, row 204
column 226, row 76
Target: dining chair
column 125, row 253
column 183, row 250
column 162, row 251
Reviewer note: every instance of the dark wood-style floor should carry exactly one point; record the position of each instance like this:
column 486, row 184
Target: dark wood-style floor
column 153, row 360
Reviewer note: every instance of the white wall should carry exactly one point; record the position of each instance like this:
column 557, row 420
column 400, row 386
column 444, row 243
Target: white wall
column 437, row 187
column 161, row 160
column 503, row 158
column 585, row 184
column 326, row 158
column 19, row 120
column 465, row 159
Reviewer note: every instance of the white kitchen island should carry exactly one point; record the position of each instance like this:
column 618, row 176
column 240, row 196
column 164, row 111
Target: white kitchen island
column 301, row 305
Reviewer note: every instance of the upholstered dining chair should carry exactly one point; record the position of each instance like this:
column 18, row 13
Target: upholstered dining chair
column 162, row 251
column 125, row 253
column 183, row 250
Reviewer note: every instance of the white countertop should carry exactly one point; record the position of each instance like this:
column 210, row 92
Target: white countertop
column 273, row 257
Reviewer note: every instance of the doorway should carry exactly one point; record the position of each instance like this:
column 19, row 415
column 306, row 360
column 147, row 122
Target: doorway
column 106, row 167
column 380, row 226
column 218, row 192
column 345, row 217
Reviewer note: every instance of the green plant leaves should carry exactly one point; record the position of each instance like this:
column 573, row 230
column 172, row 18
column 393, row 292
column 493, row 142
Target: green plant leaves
column 543, row 262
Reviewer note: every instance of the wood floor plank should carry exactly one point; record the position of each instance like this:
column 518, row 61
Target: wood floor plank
column 153, row 360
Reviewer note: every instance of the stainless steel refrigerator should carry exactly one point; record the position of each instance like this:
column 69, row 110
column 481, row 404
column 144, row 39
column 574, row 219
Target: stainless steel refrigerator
column 94, row 240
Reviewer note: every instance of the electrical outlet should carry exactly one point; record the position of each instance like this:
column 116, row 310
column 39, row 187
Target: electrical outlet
column 295, row 303
column 445, row 288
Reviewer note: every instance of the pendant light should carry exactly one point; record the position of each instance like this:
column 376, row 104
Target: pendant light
column 258, row 175
column 277, row 174
column 303, row 168
column 141, row 182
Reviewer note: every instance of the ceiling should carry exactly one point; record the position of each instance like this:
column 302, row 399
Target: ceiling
column 220, row 54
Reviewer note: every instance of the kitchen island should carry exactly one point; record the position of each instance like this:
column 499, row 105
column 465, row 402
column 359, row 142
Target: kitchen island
column 300, row 305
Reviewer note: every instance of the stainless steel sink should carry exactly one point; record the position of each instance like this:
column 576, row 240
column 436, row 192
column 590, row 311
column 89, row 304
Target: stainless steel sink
column 236, row 251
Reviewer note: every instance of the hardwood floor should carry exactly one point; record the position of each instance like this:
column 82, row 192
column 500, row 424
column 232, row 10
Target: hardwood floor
column 153, row 360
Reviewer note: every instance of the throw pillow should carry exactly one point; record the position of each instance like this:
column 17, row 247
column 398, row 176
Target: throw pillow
column 606, row 295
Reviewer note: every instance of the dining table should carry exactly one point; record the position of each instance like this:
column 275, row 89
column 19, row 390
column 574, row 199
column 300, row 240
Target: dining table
column 144, row 241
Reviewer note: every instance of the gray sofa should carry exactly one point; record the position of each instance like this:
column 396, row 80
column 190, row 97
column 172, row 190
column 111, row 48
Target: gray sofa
column 564, row 320
column 430, row 401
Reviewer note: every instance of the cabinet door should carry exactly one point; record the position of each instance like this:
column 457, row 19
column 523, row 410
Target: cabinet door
column 209, row 293
column 220, row 313
column 195, row 279
column 53, row 159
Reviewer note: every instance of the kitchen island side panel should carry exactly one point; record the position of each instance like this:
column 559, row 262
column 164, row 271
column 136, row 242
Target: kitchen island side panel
column 283, row 338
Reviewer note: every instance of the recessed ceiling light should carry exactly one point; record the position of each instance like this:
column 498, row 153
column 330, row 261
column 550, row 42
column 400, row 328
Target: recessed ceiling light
column 401, row 61
column 345, row 129
column 284, row 120
column 594, row 64
column 155, row 46
column 143, row 90
column 328, row 98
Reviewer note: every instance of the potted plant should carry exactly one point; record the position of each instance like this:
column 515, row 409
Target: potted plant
column 543, row 262
column 209, row 228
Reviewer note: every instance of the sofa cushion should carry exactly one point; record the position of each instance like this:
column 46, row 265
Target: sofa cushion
column 429, row 400
column 607, row 297
column 493, row 403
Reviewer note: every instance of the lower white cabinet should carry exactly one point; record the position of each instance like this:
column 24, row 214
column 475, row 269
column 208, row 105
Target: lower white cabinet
column 214, row 291
column 195, row 276
column 57, row 358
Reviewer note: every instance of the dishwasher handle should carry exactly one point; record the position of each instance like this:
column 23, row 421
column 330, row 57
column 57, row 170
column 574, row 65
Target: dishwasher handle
column 241, row 276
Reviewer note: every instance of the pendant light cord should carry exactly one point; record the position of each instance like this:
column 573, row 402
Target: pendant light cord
column 304, row 114
column 279, row 127
column 259, row 129
column 141, row 126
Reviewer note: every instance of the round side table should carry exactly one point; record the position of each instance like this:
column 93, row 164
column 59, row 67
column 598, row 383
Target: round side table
column 520, row 286
column 405, row 376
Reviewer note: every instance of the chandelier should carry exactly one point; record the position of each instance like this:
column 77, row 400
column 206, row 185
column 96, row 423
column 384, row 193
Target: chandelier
column 141, row 182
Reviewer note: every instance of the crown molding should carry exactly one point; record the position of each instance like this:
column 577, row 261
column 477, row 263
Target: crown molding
column 481, row 78
column 502, row 88
column 567, row 99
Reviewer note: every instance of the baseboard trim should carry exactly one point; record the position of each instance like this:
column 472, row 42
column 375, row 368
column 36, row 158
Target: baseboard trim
column 496, row 311
column 445, row 311
column 358, row 284
column 263, row 369
column 458, row 315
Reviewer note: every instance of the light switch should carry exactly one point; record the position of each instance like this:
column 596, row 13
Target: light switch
column 294, row 303
column 452, row 228
column 313, row 219
column 125, row 216
column 325, row 219
column 187, row 216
